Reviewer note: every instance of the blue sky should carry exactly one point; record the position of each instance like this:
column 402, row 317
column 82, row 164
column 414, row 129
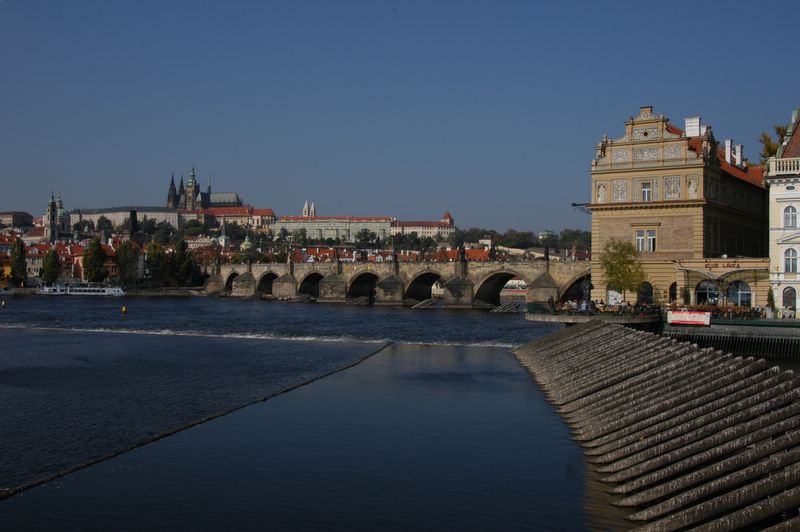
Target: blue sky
column 487, row 109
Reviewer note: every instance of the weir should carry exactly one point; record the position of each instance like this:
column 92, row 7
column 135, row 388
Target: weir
column 683, row 436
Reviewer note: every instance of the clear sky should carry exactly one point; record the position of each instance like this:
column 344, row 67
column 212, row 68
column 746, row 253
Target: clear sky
column 490, row 110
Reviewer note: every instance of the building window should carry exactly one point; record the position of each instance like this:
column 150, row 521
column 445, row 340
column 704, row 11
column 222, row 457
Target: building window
column 739, row 294
column 646, row 240
column 790, row 216
column 789, row 297
column 646, row 192
column 790, row 261
column 644, row 296
column 707, row 293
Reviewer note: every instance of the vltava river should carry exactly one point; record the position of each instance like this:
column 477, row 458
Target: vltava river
column 433, row 425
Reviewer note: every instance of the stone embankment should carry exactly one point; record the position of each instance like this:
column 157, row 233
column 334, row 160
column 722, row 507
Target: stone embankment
column 684, row 437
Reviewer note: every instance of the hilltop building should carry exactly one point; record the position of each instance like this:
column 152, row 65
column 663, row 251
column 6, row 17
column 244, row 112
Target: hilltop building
column 16, row 219
column 443, row 228
column 783, row 179
column 696, row 212
column 190, row 197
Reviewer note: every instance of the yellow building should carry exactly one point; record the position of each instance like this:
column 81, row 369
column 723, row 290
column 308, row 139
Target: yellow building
column 697, row 213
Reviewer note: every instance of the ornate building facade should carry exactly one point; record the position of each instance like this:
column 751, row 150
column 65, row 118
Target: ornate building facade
column 190, row 197
column 783, row 179
column 696, row 212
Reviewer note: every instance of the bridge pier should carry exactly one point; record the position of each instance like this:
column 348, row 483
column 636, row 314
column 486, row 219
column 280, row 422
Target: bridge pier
column 244, row 285
column 285, row 286
column 389, row 291
column 458, row 293
column 333, row 289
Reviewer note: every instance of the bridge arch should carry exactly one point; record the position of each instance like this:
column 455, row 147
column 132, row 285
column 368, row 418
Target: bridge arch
column 228, row 285
column 310, row 284
column 362, row 285
column 264, row 283
column 421, row 285
column 488, row 288
column 574, row 289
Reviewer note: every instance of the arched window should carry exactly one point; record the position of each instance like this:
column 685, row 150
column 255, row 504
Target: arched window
column 790, row 216
column 644, row 296
column 789, row 297
column 707, row 293
column 673, row 292
column 790, row 261
column 739, row 294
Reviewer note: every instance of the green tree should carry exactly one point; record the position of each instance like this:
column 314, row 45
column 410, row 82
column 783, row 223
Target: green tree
column 365, row 237
column 518, row 239
column 103, row 224
column 128, row 262
column 84, row 227
column 577, row 238
column 182, row 264
column 163, row 233
column 94, row 259
column 19, row 267
column 300, row 236
column 148, row 226
column 51, row 267
column 193, row 228
column 769, row 147
column 771, row 300
column 156, row 262
column 622, row 267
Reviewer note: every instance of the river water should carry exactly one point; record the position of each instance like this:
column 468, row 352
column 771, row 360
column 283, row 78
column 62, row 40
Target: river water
column 431, row 425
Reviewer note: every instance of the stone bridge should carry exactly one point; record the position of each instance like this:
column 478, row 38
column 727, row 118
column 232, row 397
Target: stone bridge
column 466, row 284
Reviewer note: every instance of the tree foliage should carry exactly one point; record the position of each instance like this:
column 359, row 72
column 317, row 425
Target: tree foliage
column 182, row 264
column 577, row 238
column 51, row 267
column 518, row 239
column 769, row 147
column 163, row 233
column 103, row 224
column 84, row 227
column 622, row 267
column 148, row 226
column 156, row 262
column 19, row 267
column 94, row 259
column 128, row 262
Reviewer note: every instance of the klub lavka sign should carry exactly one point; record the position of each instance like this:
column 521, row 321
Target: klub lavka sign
column 689, row 317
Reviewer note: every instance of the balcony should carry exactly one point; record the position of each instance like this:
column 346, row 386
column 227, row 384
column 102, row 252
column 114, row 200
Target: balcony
column 790, row 166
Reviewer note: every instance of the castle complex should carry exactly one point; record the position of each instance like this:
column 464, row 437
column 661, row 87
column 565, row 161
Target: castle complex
column 190, row 197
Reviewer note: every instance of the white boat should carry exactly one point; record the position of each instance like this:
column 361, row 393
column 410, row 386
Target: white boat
column 82, row 289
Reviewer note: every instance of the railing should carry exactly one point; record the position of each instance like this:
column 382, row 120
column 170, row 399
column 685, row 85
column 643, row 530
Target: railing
column 789, row 166
column 562, row 309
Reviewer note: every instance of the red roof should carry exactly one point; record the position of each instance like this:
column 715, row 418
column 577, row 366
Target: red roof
column 792, row 148
column 226, row 211
column 263, row 212
column 447, row 216
column 421, row 224
column 751, row 174
column 337, row 218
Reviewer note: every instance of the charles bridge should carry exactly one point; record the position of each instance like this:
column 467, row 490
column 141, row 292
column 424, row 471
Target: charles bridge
column 465, row 284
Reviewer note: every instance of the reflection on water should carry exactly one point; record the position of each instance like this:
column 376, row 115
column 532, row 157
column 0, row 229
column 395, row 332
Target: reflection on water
column 416, row 437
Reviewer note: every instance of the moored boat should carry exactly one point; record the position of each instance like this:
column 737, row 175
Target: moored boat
column 81, row 289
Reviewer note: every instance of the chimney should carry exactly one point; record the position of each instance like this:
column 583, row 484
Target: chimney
column 739, row 155
column 645, row 110
column 728, row 150
column 692, row 126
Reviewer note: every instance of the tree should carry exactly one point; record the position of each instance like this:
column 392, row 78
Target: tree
column 84, row 227
column 182, row 264
column 771, row 300
column 103, row 224
column 163, row 233
column 51, row 267
column 518, row 239
column 19, row 267
column 94, row 259
column 148, row 226
column 156, row 262
column 769, row 146
column 193, row 228
column 365, row 237
column 622, row 267
column 577, row 238
column 128, row 262
column 300, row 236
